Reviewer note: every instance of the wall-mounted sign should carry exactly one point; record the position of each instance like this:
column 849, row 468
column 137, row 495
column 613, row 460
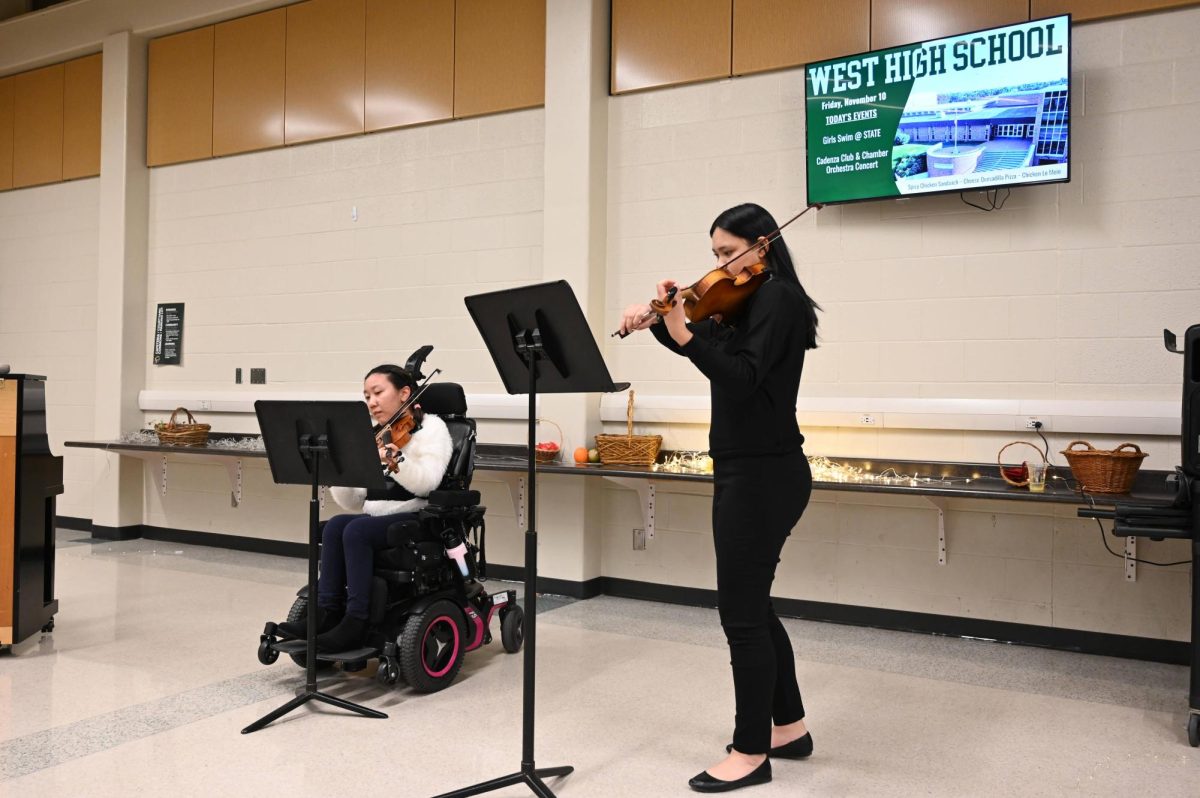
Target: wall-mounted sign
column 168, row 334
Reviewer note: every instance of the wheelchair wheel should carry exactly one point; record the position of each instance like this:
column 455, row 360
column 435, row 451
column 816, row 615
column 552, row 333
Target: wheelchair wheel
column 431, row 647
column 512, row 629
column 266, row 654
column 389, row 671
column 298, row 611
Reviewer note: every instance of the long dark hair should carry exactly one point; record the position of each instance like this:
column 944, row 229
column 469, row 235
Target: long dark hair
column 397, row 376
column 750, row 221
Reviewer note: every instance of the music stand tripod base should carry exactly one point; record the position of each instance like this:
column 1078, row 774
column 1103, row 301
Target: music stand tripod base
column 305, row 440
column 531, row 778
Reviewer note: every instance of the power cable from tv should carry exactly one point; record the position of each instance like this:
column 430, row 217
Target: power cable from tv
column 992, row 197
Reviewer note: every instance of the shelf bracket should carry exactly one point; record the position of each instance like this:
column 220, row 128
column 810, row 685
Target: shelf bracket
column 644, row 488
column 234, row 470
column 939, row 505
column 516, row 493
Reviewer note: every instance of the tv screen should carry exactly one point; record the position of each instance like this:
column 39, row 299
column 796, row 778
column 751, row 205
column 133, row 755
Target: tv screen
column 971, row 112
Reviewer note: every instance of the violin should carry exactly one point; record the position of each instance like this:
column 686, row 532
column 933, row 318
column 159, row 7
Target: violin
column 719, row 293
column 398, row 430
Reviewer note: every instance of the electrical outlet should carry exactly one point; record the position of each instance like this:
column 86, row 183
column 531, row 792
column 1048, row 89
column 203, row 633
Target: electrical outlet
column 258, row 376
column 867, row 420
column 1034, row 422
column 639, row 540
column 205, row 405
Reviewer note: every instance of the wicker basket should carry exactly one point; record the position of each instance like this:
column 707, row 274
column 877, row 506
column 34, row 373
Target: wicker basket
column 550, row 457
column 1017, row 476
column 173, row 433
column 628, row 449
column 1104, row 471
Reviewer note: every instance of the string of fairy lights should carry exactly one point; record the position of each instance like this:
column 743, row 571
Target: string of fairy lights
column 826, row 470
column 681, row 462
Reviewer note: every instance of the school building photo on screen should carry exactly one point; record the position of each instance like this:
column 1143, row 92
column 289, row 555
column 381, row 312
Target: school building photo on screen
column 983, row 132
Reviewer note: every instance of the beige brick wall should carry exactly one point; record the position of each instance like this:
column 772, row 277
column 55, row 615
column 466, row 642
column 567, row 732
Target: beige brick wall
column 48, row 245
column 278, row 274
column 1061, row 295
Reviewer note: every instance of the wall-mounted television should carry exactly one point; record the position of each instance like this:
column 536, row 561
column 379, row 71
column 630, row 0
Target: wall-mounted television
column 976, row 111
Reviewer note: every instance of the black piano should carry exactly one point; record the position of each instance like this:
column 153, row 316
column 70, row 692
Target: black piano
column 30, row 479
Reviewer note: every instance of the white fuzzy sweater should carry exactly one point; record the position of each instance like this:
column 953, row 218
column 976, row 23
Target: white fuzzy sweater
column 425, row 460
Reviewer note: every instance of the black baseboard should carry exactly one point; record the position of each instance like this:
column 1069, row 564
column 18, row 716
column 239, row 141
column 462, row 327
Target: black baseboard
column 547, row 584
column 132, row 532
column 283, row 548
column 76, row 524
column 1173, row 652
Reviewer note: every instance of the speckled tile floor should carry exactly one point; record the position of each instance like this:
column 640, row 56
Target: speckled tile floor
column 150, row 674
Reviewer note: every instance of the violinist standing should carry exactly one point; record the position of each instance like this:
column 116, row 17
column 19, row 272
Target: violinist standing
column 761, row 476
column 349, row 542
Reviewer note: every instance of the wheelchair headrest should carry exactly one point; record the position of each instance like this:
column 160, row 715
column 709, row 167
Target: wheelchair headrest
column 444, row 399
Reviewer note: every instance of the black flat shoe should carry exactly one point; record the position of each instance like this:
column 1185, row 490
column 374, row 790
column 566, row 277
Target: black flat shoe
column 703, row 782
column 326, row 620
column 800, row 748
column 347, row 635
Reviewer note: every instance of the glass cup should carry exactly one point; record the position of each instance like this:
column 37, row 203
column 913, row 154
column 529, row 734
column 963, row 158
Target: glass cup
column 1037, row 477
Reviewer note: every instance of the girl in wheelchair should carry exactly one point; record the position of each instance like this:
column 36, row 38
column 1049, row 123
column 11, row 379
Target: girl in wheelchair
column 349, row 541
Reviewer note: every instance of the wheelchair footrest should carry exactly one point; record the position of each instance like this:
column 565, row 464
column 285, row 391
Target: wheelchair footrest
column 301, row 647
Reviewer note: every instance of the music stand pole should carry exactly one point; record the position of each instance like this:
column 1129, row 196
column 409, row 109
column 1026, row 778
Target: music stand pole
column 311, row 449
column 530, row 347
column 536, row 333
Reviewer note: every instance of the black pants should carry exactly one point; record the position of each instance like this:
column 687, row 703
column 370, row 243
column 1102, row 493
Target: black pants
column 348, row 546
column 756, row 502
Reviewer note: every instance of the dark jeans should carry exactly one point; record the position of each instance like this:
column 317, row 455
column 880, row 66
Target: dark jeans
column 348, row 545
column 756, row 502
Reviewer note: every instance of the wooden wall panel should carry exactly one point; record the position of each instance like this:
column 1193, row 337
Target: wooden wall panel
column 499, row 55
column 410, row 62
column 1099, row 9
column 248, row 83
column 180, row 97
column 82, row 89
column 326, row 41
column 38, row 126
column 771, row 34
column 896, row 22
column 661, row 42
column 6, row 133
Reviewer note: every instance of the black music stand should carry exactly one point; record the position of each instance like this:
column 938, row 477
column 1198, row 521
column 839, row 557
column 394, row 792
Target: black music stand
column 539, row 341
column 318, row 443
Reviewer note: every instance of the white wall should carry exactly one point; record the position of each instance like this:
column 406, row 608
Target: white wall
column 275, row 272
column 48, row 245
column 1062, row 295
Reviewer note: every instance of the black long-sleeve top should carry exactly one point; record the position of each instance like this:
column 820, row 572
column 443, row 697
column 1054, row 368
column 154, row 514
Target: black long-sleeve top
column 753, row 370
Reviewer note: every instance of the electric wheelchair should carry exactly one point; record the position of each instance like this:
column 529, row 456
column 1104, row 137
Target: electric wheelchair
column 426, row 610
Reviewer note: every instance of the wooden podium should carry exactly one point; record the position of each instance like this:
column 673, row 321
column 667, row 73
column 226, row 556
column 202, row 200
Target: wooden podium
column 30, row 479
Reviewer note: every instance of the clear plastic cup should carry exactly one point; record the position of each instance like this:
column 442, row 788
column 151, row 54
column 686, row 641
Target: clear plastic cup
column 1037, row 477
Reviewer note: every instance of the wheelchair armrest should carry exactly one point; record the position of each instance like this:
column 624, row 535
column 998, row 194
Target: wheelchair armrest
column 454, row 498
